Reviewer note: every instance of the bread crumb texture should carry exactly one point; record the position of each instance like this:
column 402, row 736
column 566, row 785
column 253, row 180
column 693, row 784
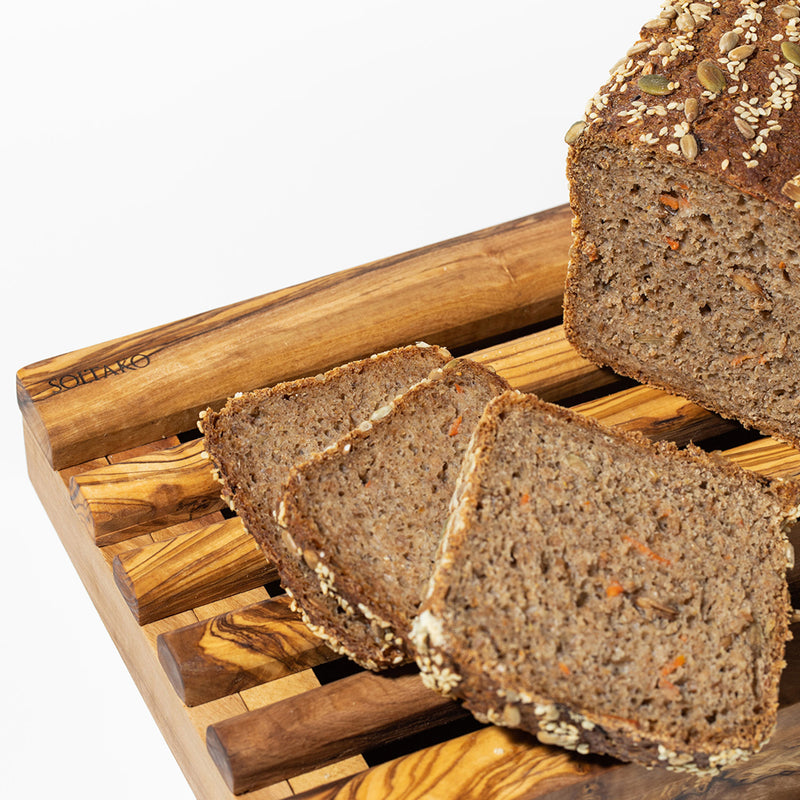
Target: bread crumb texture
column 609, row 594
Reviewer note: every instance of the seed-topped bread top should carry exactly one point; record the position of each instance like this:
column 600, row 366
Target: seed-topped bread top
column 712, row 85
column 367, row 513
column 609, row 594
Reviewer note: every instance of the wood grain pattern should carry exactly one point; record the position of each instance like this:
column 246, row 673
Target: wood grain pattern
column 137, row 388
column 141, row 494
column 493, row 763
column 313, row 729
column 178, row 725
column 138, row 495
column 546, row 364
column 499, row 764
column 165, row 578
column 235, row 651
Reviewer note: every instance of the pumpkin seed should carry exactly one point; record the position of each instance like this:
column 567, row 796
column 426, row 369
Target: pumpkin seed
column 711, row 76
column 655, row 84
column 728, row 41
column 689, row 147
column 744, row 128
column 742, row 52
column 787, row 12
column 791, row 52
column 574, row 131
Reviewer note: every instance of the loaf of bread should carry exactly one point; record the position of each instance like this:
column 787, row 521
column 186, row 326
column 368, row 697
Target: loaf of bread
column 685, row 186
column 367, row 514
column 610, row 594
column 255, row 439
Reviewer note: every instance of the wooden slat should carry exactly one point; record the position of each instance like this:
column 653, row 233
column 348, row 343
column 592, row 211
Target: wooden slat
column 178, row 724
column 137, row 388
column 235, row 651
column 138, row 495
column 308, row 731
column 503, row 764
column 192, row 569
column 149, row 492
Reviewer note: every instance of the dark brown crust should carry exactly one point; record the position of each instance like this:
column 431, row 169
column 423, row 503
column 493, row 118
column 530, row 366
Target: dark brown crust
column 714, row 129
column 444, row 665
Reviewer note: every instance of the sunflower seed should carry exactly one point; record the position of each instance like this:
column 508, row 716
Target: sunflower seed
column 691, row 108
column 686, row 22
column 639, row 47
column 689, row 147
column 658, row 24
column 574, row 131
column 711, row 76
column 742, row 52
column 792, row 190
column 728, row 41
column 744, row 128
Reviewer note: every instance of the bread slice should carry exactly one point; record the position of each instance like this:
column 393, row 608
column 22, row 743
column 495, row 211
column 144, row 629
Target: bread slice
column 255, row 439
column 610, row 594
column 367, row 513
column 685, row 181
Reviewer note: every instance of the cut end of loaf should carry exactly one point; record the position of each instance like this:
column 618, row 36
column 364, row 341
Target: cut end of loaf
column 681, row 281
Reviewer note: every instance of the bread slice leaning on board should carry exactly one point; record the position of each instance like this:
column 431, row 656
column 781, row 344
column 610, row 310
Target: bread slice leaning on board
column 367, row 513
column 609, row 594
column 256, row 437
column 685, row 184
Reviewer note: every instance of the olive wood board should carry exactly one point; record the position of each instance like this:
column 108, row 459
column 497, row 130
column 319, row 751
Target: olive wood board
column 251, row 703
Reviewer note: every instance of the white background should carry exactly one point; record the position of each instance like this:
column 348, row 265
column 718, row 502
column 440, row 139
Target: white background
column 158, row 160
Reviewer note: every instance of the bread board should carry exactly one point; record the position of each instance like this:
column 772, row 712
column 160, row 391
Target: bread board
column 249, row 702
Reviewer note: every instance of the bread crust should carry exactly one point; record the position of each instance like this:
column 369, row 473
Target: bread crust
column 743, row 134
column 673, row 50
column 450, row 668
column 350, row 588
column 297, row 577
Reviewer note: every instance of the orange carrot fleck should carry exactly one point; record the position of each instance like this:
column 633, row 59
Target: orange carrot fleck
column 455, row 426
column 614, row 588
column 667, row 685
column 670, row 201
column 645, row 550
column 737, row 361
column 627, row 720
column 564, row 668
column 459, row 388
column 682, row 186
column 673, row 243
column 525, row 499
column 676, row 662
